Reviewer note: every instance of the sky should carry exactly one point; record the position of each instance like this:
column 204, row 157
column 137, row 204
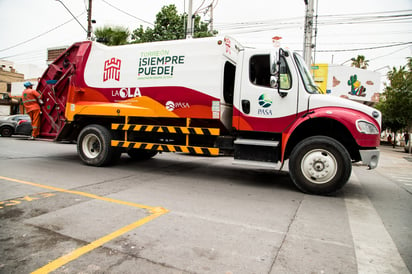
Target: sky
column 381, row 30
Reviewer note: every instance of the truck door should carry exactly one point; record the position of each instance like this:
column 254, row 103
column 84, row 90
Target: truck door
column 258, row 105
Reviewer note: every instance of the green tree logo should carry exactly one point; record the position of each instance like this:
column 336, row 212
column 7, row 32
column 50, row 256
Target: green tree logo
column 265, row 101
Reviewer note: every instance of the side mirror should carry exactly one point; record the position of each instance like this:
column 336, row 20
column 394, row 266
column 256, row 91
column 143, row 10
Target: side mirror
column 277, row 80
column 274, row 63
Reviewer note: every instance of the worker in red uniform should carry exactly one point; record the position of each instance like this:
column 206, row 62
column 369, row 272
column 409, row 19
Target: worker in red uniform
column 32, row 102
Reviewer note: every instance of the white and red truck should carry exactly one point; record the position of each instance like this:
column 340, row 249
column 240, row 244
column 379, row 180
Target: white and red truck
column 208, row 96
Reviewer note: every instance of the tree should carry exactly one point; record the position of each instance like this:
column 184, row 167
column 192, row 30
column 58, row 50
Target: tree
column 169, row 25
column 360, row 62
column 112, row 35
column 396, row 102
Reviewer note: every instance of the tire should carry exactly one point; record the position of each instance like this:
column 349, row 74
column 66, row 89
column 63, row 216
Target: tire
column 6, row 131
column 94, row 146
column 320, row 165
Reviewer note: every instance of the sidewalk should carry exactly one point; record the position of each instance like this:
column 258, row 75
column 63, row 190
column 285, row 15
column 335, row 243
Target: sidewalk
column 398, row 152
column 395, row 158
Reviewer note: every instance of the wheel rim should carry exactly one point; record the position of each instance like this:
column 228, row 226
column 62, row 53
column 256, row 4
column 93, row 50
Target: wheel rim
column 91, row 146
column 319, row 166
column 6, row 132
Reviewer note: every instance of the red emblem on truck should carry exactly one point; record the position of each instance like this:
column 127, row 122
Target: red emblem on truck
column 227, row 45
column 112, row 69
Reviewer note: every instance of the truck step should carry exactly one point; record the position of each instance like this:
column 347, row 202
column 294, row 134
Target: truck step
column 167, row 129
column 253, row 142
column 258, row 164
column 166, row 147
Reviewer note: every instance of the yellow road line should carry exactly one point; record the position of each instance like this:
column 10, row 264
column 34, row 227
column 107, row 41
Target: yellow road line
column 93, row 196
column 155, row 212
column 93, row 245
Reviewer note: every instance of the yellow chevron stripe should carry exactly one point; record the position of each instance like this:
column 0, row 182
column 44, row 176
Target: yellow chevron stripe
column 166, row 147
column 170, row 129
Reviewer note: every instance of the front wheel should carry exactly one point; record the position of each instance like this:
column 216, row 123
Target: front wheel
column 320, row 165
column 94, row 146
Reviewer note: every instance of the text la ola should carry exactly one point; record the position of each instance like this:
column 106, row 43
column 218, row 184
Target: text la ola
column 127, row 93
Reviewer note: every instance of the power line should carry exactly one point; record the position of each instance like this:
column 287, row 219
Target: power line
column 131, row 15
column 74, row 17
column 40, row 35
column 271, row 22
column 365, row 13
column 22, row 54
column 369, row 48
column 198, row 9
column 393, row 52
column 298, row 23
column 355, row 21
column 357, row 18
column 34, row 56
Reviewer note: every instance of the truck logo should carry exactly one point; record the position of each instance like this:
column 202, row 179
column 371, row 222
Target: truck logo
column 227, row 45
column 126, row 93
column 265, row 101
column 112, row 69
column 170, row 105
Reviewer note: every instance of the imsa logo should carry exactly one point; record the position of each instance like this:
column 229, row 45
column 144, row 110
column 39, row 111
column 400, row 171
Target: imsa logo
column 265, row 102
column 171, row 106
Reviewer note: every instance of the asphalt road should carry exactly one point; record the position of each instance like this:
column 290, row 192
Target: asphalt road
column 187, row 214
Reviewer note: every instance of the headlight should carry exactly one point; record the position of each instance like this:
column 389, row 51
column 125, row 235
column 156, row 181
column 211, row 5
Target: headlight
column 366, row 127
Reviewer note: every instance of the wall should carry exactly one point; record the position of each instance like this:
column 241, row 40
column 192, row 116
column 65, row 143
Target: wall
column 348, row 82
column 7, row 76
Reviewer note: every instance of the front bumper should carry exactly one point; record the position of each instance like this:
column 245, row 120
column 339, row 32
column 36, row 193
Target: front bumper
column 370, row 157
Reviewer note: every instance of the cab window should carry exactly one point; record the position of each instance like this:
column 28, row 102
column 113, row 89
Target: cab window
column 310, row 85
column 259, row 72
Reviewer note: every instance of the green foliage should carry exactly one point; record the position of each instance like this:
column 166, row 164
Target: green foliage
column 170, row 25
column 201, row 29
column 360, row 62
column 112, row 35
column 396, row 102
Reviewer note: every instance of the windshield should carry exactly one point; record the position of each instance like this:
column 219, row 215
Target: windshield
column 310, row 85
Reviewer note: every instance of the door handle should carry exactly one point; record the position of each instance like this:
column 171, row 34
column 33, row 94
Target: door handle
column 246, row 106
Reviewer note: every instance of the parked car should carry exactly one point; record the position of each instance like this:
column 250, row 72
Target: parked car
column 19, row 124
column 23, row 127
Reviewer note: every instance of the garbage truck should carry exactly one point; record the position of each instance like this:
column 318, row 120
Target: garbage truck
column 206, row 96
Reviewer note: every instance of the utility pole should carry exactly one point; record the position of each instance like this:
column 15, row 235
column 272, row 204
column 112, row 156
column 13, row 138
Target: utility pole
column 189, row 30
column 211, row 17
column 307, row 41
column 89, row 21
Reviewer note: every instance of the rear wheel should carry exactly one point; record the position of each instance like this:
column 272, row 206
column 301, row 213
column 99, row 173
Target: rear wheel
column 320, row 165
column 6, row 131
column 94, row 146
